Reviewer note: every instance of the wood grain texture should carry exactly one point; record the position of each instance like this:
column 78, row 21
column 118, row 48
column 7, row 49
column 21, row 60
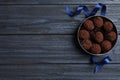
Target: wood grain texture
column 37, row 41
column 58, row 72
column 45, row 19
column 51, row 2
column 34, row 49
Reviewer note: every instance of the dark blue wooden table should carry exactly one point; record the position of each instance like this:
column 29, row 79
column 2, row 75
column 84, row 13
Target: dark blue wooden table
column 37, row 41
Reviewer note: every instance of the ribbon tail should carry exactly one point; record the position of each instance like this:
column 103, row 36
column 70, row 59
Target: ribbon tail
column 98, row 67
column 103, row 11
column 73, row 13
column 77, row 11
column 69, row 12
column 93, row 59
column 106, row 60
column 97, row 7
column 87, row 12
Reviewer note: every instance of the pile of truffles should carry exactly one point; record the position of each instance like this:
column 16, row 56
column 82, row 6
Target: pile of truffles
column 97, row 35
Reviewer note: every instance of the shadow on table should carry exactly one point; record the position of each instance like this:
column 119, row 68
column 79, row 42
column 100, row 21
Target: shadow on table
column 77, row 44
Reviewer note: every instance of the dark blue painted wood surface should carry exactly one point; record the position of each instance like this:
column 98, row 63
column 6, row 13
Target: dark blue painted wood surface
column 37, row 41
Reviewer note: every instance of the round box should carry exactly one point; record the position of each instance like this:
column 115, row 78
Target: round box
column 92, row 31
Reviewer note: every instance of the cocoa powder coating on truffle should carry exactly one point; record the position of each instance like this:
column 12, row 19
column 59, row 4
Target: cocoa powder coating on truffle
column 112, row 36
column 84, row 34
column 86, row 44
column 88, row 24
column 98, row 21
column 95, row 49
column 108, row 26
column 98, row 36
column 106, row 45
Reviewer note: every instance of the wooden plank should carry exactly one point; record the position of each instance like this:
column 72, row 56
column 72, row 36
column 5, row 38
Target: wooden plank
column 58, row 72
column 59, row 1
column 34, row 49
column 45, row 19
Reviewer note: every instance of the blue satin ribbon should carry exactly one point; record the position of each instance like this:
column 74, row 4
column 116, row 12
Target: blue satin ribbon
column 100, row 64
column 77, row 11
column 97, row 7
column 86, row 11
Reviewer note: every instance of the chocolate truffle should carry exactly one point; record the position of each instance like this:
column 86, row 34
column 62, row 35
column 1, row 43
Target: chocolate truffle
column 88, row 24
column 95, row 49
column 108, row 26
column 84, row 34
column 106, row 45
column 86, row 44
column 98, row 36
column 111, row 36
column 98, row 21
